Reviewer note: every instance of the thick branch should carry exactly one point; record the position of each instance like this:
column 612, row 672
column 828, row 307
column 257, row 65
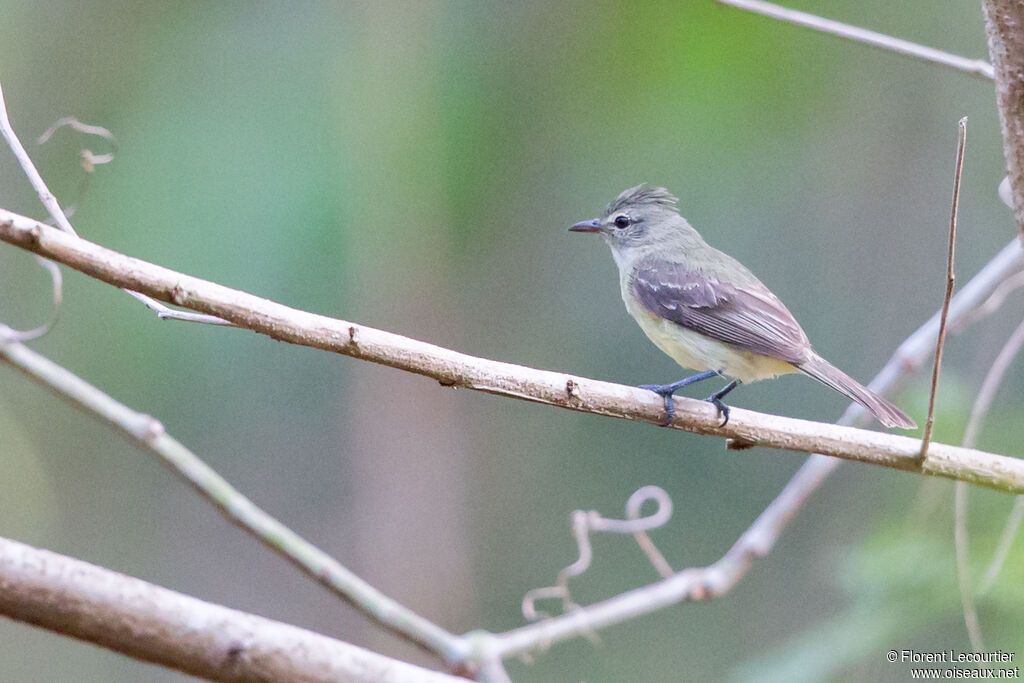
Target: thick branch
column 452, row 368
column 1003, row 22
column 149, row 433
column 157, row 625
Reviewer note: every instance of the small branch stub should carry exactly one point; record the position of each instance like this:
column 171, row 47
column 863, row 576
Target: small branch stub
column 571, row 388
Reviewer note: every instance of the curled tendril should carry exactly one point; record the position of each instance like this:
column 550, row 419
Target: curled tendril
column 586, row 522
column 88, row 159
column 58, row 297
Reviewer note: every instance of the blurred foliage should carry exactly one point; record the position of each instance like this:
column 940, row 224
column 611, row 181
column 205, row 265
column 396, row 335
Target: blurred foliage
column 413, row 166
column 902, row 593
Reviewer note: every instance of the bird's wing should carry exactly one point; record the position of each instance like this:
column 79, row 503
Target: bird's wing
column 749, row 317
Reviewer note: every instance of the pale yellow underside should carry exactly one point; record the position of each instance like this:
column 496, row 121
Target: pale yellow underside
column 698, row 352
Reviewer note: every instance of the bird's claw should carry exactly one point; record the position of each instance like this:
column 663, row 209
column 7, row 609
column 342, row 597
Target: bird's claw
column 665, row 391
column 723, row 410
column 670, row 410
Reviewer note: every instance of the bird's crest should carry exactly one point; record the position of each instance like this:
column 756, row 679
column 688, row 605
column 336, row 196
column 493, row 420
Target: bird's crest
column 640, row 196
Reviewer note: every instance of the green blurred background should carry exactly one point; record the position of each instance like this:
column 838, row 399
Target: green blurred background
column 414, row 166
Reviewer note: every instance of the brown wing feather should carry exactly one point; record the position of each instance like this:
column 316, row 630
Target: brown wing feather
column 750, row 318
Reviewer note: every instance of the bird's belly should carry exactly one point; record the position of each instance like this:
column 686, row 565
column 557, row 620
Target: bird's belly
column 700, row 352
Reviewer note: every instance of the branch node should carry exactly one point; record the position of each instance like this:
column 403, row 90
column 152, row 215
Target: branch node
column 178, row 295
column 572, row 388
column 233, row 658
column 152, row 430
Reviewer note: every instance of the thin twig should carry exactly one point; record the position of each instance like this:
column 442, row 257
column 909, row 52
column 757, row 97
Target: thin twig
column 157, row 625
column 148, row 433
column 1006, row 539
column 975, row 67
column 950, row 280
column 994, row 302
column 963, row 570
column 60, row 219
column 166, row 313
column 57, row 289
column 990, row 385
column 7, row 131
column 986, row 395
column 455, row 369
column 45, row 196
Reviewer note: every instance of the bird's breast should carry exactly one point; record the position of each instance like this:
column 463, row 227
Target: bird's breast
column 700, row 352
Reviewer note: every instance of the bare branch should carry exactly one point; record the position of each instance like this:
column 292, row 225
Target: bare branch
column 149, row 433
column 950, row 280
column 1003, row 21
column 452, row 368
column 157, row 625
column 974, row 67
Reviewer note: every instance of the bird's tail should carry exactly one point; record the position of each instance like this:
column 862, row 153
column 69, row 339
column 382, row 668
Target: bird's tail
column 828, row 374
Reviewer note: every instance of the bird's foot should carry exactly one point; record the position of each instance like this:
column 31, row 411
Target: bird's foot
column 665, row 391
column 723, row 410
column 715, row 399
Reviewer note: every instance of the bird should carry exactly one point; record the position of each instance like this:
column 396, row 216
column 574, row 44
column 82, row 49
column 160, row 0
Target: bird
column 706, row 310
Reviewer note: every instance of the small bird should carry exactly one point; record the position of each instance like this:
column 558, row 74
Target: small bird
column 706, row 310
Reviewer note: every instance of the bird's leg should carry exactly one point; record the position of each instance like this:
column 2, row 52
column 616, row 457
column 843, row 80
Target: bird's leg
column 715, row 399
column 666, row 391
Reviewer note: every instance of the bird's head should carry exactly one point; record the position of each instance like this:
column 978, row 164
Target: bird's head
column 639, row 218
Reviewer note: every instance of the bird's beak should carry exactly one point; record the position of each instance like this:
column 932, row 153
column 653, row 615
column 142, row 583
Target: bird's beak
column 593, row 225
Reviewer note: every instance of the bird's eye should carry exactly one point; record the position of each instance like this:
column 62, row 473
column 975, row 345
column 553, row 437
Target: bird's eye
column 622, row 221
